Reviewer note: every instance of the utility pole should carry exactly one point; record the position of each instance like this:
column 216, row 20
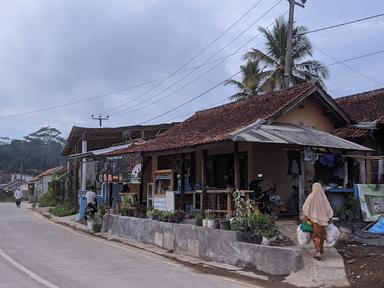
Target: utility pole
column 288, row 52
column 101, row 119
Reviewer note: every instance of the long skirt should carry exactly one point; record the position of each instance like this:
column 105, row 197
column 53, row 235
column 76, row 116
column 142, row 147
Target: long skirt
column 318, row 236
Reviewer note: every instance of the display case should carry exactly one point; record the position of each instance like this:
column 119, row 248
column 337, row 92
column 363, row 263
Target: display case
column 163, row 182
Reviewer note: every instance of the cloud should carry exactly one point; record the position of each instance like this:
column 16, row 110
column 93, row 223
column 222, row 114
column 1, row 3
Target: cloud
column 55, row 52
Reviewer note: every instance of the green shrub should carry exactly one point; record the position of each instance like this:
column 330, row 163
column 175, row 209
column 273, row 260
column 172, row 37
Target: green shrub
column 263, row 225
column 48, row 199
column 62, row 210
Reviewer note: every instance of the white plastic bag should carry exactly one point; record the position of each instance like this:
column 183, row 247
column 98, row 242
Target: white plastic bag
column 332, row 235
column 304, row 238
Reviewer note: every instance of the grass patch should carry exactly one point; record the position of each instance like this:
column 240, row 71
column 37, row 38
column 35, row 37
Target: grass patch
column 62, row 210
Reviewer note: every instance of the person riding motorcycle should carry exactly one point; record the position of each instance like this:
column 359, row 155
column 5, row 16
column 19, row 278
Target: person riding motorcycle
column 91, row 209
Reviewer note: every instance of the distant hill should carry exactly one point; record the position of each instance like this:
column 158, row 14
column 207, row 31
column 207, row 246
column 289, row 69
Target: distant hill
column 37, row 151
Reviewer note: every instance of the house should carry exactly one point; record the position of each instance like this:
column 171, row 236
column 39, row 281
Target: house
column 367, row 112
column 44, row 179
column 32, row 188
column 84, row 147
column 285, row 136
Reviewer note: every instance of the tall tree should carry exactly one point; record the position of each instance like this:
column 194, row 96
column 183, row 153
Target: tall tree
column 38, row 151
column 274, row 58
column 252, row 78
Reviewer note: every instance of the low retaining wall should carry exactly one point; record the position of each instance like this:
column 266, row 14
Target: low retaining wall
column 212, row 244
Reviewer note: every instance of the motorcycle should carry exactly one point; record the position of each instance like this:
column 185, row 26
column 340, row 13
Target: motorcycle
column 90, row 211
column 266, row 200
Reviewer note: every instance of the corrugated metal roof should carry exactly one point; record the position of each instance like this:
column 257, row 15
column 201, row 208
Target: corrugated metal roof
column 293, row 135
column 99, row 151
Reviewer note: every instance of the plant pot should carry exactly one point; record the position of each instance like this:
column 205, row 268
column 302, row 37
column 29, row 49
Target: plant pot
column 154, row 217
column 90, row 224
column 199, row 222
column 265, row 241
column 205, row 222
column 211, row 223
column 225, row 224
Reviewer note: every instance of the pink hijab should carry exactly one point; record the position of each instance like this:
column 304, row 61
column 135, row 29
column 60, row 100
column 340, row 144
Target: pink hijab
column 317, row 207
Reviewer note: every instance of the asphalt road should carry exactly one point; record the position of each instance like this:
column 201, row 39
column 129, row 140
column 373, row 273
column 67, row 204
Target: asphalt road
column 37, row 253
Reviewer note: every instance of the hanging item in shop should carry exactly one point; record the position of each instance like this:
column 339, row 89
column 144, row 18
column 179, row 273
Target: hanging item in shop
column 309, row 155
column 124, row 168
column 293, row 156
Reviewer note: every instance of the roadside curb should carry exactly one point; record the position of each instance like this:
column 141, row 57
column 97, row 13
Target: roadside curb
column 202, row 266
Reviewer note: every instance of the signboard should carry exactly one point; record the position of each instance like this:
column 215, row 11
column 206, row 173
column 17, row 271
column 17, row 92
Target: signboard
column 160, row 203
column 165, row 203
column 371, row 200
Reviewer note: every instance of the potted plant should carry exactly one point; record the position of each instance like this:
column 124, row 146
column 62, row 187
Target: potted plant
column 211, row 219
column 178, row 216
column 153, row 214
column 163, row 216
column 198, row 216
column 264, row 226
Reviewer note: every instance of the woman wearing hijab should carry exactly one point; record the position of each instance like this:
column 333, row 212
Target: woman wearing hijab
column 318, row 210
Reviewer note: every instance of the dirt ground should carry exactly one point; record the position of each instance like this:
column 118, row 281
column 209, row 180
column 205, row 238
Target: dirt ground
column 364, row 264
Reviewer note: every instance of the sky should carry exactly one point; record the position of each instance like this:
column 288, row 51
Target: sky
column 54, row 52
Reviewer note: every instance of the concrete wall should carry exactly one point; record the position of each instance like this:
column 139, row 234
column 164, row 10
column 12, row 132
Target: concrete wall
column 211, row 244
column 308, row 114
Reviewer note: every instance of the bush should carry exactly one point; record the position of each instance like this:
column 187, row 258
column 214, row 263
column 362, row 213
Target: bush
column 48, row 199
column 263, row 225
column 63, row 210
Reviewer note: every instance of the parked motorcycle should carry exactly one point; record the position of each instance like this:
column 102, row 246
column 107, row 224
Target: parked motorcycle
column 267, row 201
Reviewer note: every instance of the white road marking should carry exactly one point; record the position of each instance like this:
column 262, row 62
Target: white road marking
column 26, row 271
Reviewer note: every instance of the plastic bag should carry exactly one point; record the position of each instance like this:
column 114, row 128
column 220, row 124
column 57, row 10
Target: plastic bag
column 306, row 226
column 304, row 238
column 332, row 235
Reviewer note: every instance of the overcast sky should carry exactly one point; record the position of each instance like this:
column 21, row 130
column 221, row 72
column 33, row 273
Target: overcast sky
column 58, row 51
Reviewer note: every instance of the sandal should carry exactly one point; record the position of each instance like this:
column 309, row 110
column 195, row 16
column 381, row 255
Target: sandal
column 318, row 258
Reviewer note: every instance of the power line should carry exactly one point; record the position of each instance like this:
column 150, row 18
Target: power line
column 355, row 58
column 191, row 100
column 342, row 24
column 162, row 79
column 196, row 55
column 211, row 57
column 198, row 77
column 203, row 108
column 79, row 101
column 347, row 66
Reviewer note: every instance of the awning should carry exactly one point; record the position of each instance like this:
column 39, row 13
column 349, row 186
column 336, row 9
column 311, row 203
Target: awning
column 291, row 134
column 99, row 151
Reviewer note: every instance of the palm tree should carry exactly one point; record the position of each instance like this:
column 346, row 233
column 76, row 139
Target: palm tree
column 274, row 58
column 252, row 78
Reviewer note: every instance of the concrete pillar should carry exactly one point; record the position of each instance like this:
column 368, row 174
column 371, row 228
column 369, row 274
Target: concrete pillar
column 236, row 164
column 83, row 164
column 301, row 182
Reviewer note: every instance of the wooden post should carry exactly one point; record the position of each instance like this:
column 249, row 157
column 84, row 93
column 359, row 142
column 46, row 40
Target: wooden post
column 182, row 181
column 236, row 165
column 143, row 168
column 301, row 183
column 203, row 178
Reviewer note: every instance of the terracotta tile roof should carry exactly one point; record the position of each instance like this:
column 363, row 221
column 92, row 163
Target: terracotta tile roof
column 351, row 133
column 216, row 124
column 52, row 171
column 364, row 107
